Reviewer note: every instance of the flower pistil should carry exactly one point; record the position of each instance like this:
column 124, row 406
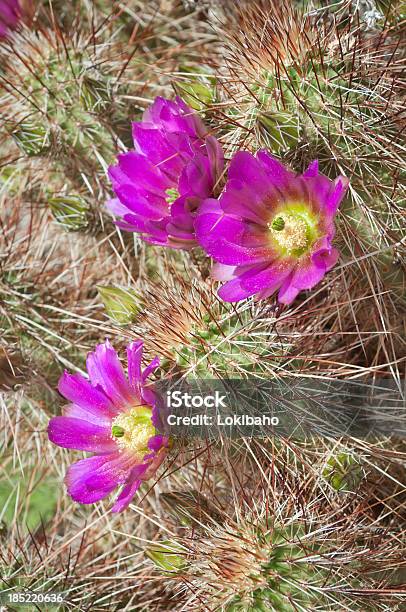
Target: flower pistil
column 132, row 430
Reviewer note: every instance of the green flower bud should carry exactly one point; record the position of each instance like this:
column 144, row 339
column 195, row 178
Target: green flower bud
column 32, row 139
column 96, row 95
column 165, row 555
column 196, row 94
column 279, row 131
column 200, row 90
column 343, row 472
column 70, row 211
column 122, row 305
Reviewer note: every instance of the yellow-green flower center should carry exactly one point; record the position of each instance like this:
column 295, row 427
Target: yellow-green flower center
column 132, row 429
column 290, row 232
column 294, row 229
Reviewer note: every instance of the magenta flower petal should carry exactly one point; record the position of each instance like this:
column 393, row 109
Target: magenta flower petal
column 116, row 418
column 106, row 370
column 136, row 169
column 272, row 229
column 128, row 492
column 227, row 238
column 308, row 274
column 287, row 292
column 337, row 193
column 243, row 201
column 174, row 166
column 150, row 369
column 157, row 442
column 221, row 272
column 116, row 208
column 175, row 117
column 134, row 355
column 10, row 13
column 273, row 275
column 277, row 173
column 92, row 400
column 75, row 433
column 312, row 170
column 169, row 157
column 145, row 203
column 247, row 169
column 326, row 257
column 233, row 291
column 79, row 480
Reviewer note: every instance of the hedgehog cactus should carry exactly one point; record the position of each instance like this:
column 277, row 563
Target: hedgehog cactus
column 56, row 97
column 309, row 83
column 181, row 316
column 326, row 84
column 283, row 559
column 250, row 152
column 257, row 569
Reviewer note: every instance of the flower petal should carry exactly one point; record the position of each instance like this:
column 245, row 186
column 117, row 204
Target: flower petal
column 287, row 292
column 79, row 479
column 277, row 173
column 105, row 369
column 144, row 204
column 337, row 193
column 134, row 356
column 233, row 291
column 150, row 368
column 75, row 433
column 130, row 488
column 307, row 274
column 312, row 170
column 137, row 169
column 168, row 157
column 221, row 272
column 221, row 236
column 271, row 277
column 79, row 391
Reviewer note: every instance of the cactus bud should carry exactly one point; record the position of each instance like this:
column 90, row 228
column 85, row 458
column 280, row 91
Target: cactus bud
column 279, row 131
column 197, row 95
column 96, row 95
column 199, row 91
column 343, row 472
column 122, row 305
column 70, row 211
column 165, row 555
column 32, row 139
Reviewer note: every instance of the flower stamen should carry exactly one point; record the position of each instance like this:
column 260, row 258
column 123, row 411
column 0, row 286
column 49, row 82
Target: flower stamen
column 290, row 232
column 133, row 429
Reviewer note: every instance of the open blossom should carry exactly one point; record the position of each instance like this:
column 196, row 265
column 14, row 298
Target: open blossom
column 9, row 15
column 271, row 229
column 117, row 419
column 175, row 164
